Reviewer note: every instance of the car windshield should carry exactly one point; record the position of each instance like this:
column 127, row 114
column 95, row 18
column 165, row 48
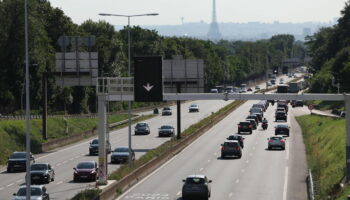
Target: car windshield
column 244, row 123
column 121, row 149
column 33, row 192
column 166, row 127
column 233, row 137
column 38, row 167
column 282, row 126
column 166, row 108
column 86, row 165
column 194, row 180
column 193, row 105
column 94, row 142
column 18, row 155
column 141, row 125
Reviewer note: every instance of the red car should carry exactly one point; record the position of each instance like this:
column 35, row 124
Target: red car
column 85, row 171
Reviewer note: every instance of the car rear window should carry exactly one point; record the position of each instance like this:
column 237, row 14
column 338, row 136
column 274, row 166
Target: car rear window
column 33, row 192
column 140, row 124
column 276, row 138
column 282, row 126
column 194, row 180
column 230, row 144
column 38, row 167
column 18, row 155
column 233, row 137
column 244, row 123
column 86, row 165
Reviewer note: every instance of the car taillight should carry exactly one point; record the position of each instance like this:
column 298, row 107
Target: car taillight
column 238, row 148
column 239, row 126
column 250, row 126
column 282, row 141
column 222, row 148
column 270, row 140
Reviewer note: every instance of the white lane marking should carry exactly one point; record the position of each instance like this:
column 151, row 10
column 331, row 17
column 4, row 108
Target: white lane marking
column 71, row 159
column 64, row 162
column 209, row 160
column 230, row 195
column 285, row 187
column 237, row 181
column 201, row 169
column 58, row 164
column 83, row 154
column 59, row 182
column 1, row 188
column 179, row 193
column 9, row 185
column 20, row 180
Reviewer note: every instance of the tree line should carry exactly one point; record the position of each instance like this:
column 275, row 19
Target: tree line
column 330, row 52
column 231, row 61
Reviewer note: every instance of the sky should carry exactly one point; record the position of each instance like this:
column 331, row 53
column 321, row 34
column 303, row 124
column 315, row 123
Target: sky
column 171, row 12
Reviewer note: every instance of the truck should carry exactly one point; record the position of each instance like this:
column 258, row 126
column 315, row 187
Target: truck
column 282, row 88
column 294, row 87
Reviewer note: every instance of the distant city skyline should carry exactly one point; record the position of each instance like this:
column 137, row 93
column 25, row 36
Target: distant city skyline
column 189, row 11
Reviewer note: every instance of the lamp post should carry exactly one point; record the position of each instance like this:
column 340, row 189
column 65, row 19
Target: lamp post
column 129, row 65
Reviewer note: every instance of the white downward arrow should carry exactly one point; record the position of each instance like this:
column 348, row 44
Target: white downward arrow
column 148, row 87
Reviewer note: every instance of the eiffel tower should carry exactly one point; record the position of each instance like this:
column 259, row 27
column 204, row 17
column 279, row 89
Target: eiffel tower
column 214, row 32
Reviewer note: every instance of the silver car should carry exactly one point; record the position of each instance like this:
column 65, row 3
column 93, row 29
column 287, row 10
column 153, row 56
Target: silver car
column 276, row 142
column 37, row 192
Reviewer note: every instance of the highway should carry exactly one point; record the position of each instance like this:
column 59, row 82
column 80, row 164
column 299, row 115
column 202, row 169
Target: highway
column 260, row 173
column 66, row 158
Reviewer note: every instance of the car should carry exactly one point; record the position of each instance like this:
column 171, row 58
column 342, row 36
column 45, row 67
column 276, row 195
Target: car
column 249, row 89
column 229, row 90
column 255, row 117
column 121, row 155
column 193, row 108
column 196, row 186
column 283, row 104
column 17, row 161
column 245, row 127
column 256, row 110
column 167, row 111
column 342, row 114
column 237, row 137
column 282, row 129
column 242, row 90
column 259, row 115
column 252, row 122
column 276, row 141
column 257, row 87
column 269, row 84
column 231, row 148
column 85, row 171
column 214, row 90
column 299, row 103
column 280, row 115
column 41, row 172
column 259, row 105
column 93, row 147
column 142, row 128
column 280, row 109
column 37, row 192
column 166, row 130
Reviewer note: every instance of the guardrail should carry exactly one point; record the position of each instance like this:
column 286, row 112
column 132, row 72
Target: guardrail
column 310, row 186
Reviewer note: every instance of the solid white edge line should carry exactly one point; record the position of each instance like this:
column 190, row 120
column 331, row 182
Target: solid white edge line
column 157, row 170
column 285, row 187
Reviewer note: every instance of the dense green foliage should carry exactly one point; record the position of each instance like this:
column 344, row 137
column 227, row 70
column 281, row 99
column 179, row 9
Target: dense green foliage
column 230, row 62
column 330, row 51
column 324, row 140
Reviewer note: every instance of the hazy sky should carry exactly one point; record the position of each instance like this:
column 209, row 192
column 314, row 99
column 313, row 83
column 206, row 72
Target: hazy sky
column 171, row 11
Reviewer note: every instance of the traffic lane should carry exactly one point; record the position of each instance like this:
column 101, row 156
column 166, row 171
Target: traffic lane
column 200, row 157
column 62, row 160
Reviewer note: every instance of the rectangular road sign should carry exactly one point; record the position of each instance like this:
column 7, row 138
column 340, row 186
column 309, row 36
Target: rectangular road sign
column 148, row 81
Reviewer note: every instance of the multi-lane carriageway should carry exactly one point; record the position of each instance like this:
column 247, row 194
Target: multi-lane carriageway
column 64, row 159
column 260, row 173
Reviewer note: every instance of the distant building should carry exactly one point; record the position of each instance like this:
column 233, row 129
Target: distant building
column 214, row 32
column 306, row 32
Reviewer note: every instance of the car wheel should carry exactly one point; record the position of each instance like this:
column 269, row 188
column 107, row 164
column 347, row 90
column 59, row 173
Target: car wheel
column 48, row 180
column 239, row 132
column 53, row 178
column 251, row 132
column 240, row 156
column 9, row 170
column 222, row 156
column 75, row 179
column 283, row 148
column 269, row 148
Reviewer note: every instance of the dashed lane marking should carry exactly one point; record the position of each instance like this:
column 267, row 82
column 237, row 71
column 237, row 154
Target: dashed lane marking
column 237, row 181
column 20, row 180
column 58, row 164
column 179, row 193
column 201, row 169
column 59, row 182
column 9, row 185
column 64, row 162
column 285, row 187
column 1, row 188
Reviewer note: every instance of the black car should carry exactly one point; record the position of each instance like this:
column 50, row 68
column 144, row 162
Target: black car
column 280, row 115
column 231, row 148
column 196, row 187
column 142, row 128
column 93, row 148
column 166, row 130
column 121, row 155
column 17, row 161
column 238, row 138
column 259, row 115
column 255, row 117
column 41, row 172
column 282, row 129
column 253, row 123
column 283, row 104
column 245, row 127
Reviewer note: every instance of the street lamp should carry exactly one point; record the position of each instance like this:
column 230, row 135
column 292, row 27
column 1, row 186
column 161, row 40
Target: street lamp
column 129, row 65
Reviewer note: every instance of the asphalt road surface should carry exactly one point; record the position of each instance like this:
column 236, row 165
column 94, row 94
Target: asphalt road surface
column 260, row 173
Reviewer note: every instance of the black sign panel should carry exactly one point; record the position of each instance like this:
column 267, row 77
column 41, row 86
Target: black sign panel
column 148, row 81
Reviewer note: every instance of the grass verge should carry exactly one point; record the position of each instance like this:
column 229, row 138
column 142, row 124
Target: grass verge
column 12, row 132
column 324, row 139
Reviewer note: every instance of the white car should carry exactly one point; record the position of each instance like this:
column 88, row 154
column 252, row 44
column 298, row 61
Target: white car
column 37, row 192
column 193, row 108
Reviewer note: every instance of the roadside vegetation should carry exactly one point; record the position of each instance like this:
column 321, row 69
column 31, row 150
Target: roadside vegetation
column 324, row 139
column 12, row 132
